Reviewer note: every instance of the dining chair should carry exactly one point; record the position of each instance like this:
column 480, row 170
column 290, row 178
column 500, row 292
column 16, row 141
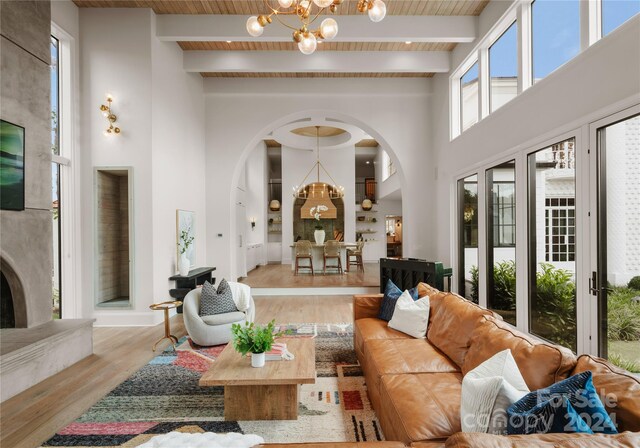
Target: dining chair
column 332, row 250
column 357, row 253
column 303, row 251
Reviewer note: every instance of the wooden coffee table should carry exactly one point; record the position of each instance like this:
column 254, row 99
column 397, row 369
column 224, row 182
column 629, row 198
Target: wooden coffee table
column 265, row 393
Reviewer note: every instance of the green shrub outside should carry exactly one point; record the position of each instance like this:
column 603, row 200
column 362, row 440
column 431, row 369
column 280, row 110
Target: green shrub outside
column 634, row 283
column 554, row 312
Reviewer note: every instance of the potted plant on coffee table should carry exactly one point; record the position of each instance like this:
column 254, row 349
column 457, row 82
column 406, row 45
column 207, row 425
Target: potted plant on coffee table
column 254, row 339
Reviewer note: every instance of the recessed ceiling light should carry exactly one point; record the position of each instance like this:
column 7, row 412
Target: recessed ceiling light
column 408, row 42
column 228, row 41
column 368, row 162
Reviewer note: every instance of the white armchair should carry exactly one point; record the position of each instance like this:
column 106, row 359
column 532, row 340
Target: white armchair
column 214, row 329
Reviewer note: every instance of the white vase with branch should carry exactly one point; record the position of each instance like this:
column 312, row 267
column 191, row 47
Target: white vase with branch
column 316, row 212
column 184, row 265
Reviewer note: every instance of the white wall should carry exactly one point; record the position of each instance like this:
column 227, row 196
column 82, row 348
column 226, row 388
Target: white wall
column 177, row 141
column 606, row 73
column 240, row 112
column 296, row 163
column 160, row 110
column 256, row 170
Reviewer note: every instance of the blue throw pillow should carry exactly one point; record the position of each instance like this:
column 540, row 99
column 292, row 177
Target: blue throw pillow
column 391, row 295
column 571, row 405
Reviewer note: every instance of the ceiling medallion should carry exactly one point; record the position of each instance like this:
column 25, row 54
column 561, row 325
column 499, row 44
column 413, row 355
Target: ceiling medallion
column 306, row 14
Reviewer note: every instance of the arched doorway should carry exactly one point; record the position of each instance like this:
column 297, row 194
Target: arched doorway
column 302, row 119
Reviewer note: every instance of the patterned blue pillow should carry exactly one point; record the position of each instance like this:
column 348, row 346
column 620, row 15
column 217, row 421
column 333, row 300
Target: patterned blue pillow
column 571, row 405
column 391, row 295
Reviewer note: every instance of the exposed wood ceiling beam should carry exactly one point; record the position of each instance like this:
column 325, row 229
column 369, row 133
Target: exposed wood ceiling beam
column 322, row 62
column 352, row 29
column 314, row 75
column 348, row 7
column 325, row 46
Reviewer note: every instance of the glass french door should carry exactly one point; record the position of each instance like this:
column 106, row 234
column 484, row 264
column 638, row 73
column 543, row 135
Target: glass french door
column 615, row 226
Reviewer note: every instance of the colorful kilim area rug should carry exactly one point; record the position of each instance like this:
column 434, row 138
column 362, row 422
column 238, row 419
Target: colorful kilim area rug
column 164, row 396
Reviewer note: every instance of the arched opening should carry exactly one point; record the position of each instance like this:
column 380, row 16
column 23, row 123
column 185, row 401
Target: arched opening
column 12, row 298
column 333, row 141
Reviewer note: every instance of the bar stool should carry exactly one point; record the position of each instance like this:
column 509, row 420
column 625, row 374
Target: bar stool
column 303, row 251
column 357, row 253
column 332, row 250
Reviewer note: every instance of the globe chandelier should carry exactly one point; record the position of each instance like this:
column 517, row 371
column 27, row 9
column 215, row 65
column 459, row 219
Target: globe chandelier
column 307, row 12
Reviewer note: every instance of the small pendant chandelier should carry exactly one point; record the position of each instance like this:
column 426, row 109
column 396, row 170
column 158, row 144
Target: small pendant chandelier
column 318, row 190
column 303, row 10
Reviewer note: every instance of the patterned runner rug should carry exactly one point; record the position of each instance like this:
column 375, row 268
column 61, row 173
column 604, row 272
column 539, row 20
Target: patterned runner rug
column 164, row 396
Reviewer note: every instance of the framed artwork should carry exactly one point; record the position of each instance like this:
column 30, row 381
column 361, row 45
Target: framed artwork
column 11, row 166
column 186, row 222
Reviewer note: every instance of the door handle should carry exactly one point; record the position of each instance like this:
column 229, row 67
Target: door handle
column 593, row 283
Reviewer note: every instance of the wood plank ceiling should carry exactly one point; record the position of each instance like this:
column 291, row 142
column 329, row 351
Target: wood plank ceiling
column 348, row 7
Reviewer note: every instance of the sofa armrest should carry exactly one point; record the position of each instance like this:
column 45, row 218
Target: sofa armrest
column 366, row 305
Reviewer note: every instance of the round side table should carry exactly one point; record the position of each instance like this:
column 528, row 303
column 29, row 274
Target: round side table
column 166, row 306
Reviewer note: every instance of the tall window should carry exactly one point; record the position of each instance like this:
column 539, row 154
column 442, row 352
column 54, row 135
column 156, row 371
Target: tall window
column 555, row 29
column 55, row 178
column 468, row 237
column 616, row 12
column 469, row 99
column 503, row 68
column 552, row 248
column 501, row 240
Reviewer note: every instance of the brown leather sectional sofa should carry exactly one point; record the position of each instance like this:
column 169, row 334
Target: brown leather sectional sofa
column 415, row 384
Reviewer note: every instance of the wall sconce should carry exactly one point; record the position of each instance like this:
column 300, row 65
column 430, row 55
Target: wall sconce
column 253, row 223
column 110, row 116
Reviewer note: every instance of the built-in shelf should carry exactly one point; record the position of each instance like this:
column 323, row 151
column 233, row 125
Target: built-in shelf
column 367, row 211
column 366, row 231
column 275, row 231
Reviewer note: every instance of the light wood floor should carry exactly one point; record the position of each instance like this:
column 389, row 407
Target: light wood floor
column 33, row 416
column 281, row 276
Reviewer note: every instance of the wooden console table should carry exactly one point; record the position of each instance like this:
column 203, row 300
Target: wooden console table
column 184, row 284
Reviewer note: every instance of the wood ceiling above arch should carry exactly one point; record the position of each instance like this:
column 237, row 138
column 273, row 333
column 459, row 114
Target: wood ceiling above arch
column 394, row 7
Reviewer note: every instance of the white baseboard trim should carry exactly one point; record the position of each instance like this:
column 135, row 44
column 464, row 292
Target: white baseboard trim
column 347, row 290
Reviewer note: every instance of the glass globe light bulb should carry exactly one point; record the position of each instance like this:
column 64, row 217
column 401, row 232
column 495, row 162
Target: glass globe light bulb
column 329, row 28
column 304, row 4
column 253, row 27
column 323, row 3
column 308, row 44
column 377, row 11
column 285, row 3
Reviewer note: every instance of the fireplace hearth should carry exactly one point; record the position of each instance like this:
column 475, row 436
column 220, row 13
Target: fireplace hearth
column 7, row 315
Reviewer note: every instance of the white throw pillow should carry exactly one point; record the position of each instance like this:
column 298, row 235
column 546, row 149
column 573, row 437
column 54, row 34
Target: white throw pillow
column 411, row 316
column 487, row 392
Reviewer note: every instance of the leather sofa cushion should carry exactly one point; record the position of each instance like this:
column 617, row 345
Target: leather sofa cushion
column 423, row 406
column 566, row 440
column 374, row 328
column 396, row 356
column 334, row 445
column 540, row 363
column 619, row 390
column 451, row 325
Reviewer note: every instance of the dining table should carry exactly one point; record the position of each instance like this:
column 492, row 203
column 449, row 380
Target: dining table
column 317, row 254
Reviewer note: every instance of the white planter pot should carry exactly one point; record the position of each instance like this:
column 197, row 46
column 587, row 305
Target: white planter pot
column 257, row 359
column 184, row 265
column 319, row 236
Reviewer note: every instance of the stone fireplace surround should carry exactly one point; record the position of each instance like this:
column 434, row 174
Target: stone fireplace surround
column 38, row 347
